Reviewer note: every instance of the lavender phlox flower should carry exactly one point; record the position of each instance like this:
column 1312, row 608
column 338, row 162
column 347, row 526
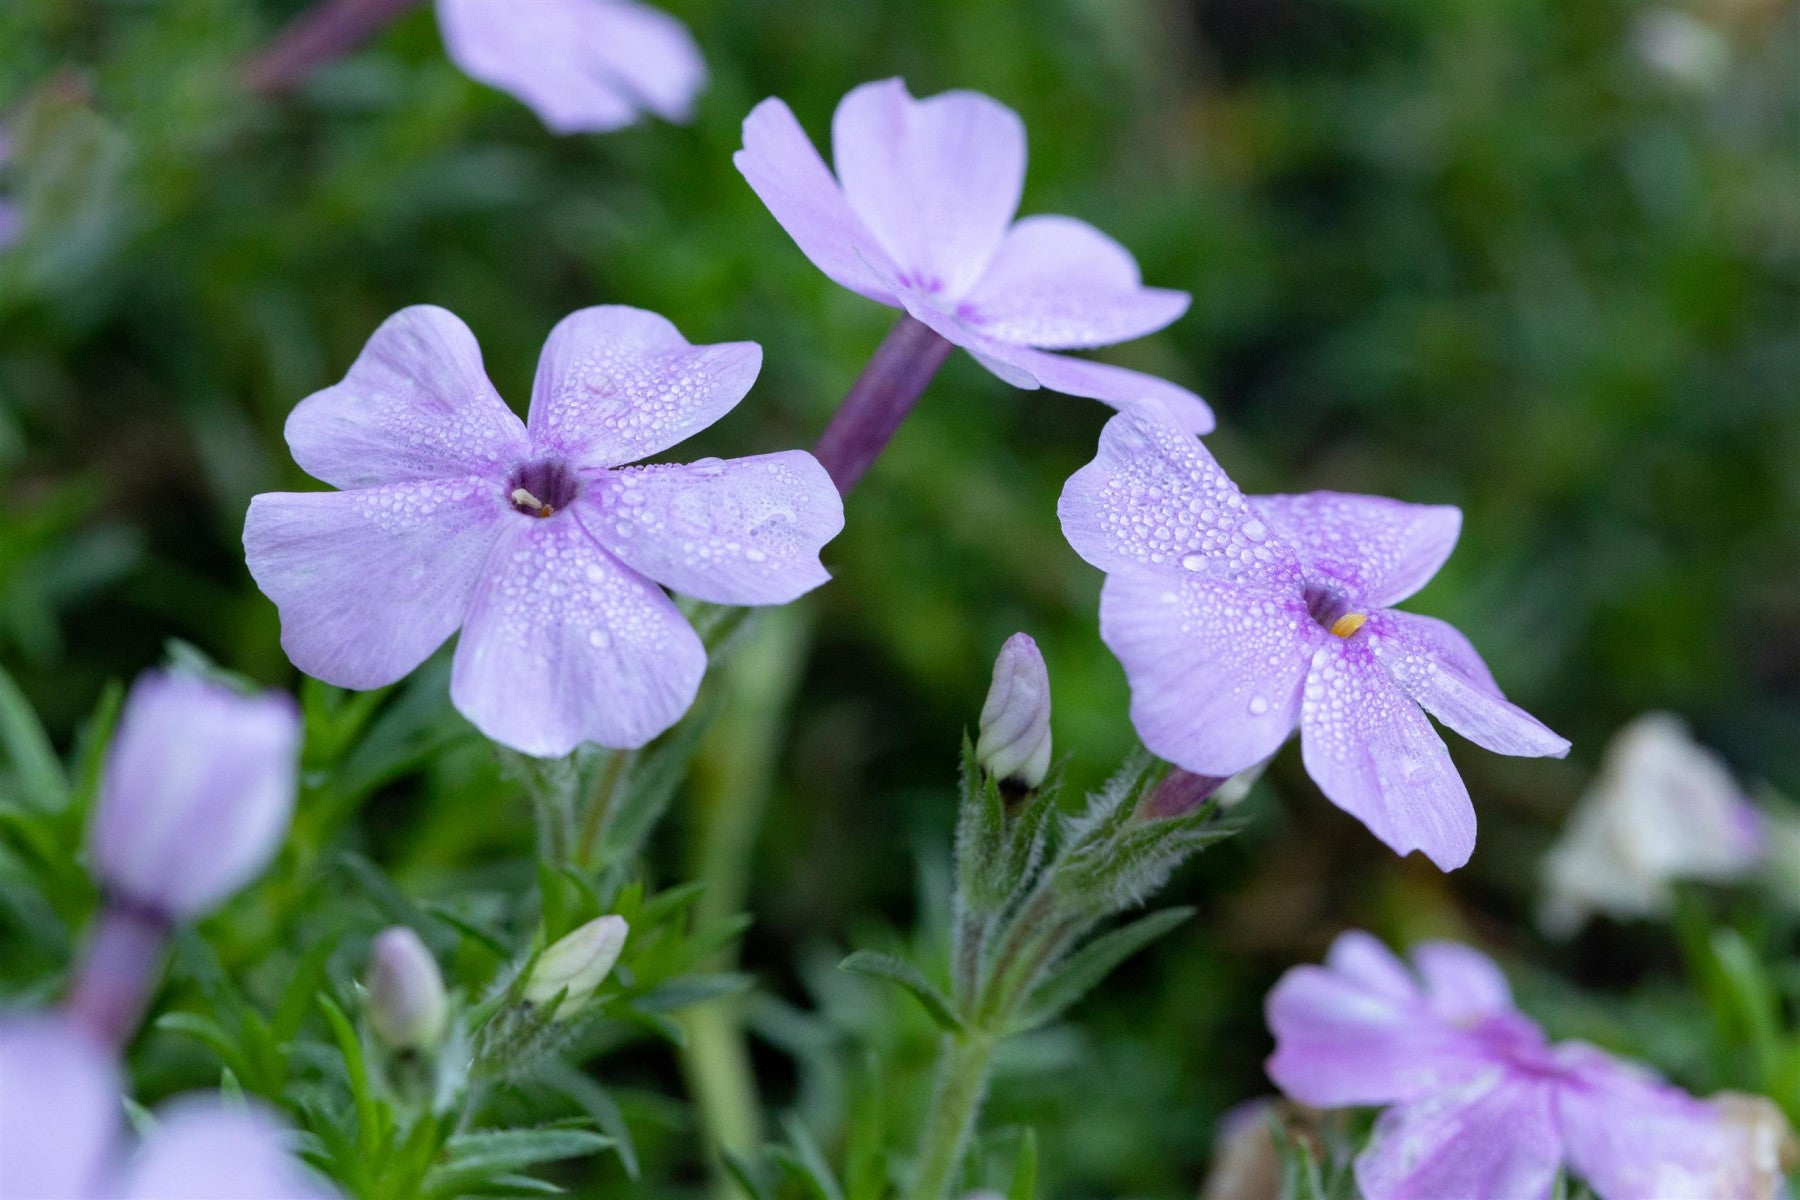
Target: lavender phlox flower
column 196, row 793
column 532, row 537
column 919, row 216
column 584, row 66
column 1478, row 1102
column 1663, row 808
column 407, row 1005
column 1014, row 732
column 1237, row 619
column 62, row 1132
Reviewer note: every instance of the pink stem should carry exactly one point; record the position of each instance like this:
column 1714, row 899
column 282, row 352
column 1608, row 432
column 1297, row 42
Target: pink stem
column 879, row 400
column 322, row 34
column 119, row 970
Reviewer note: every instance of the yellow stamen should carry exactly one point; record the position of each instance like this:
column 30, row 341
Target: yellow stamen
column 1348, row 624
column 525, row 500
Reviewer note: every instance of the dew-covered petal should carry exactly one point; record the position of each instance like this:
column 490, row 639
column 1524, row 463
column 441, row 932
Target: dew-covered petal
column 415, row 405
column 1372, row 550
column 370, row 582
column 1215, row 666
column 1153, row 496
column 736, row 531
column 564, row 644
column 1634, row 1137
column 1376, row 756
column 936, row 181
column 203, row 1150
column 584, row 66
column 785, row 171
column 59, row 1109
column 616, row 384
column 1435, row 665
column 1357, row 1031
column 1463, row 984
column 1492, row 1138
column 1060, row 284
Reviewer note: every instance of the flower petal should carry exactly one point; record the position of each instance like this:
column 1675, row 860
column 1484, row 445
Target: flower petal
column 370, row 582
column 59, row 1109
column 1154, row 496
column 1375, row 551
column 937, row 181
column 1376, row 756
column 584, row 66
column 1436, row 665
column 616, row 384
column 1634, row 1137
column 1215, row 667
column 737, row 531
column 1060, row 284
column 1463, row 984
column 202, row 1150
column 1357, row 1031
column 787, row 174
column 415, row 405
column 1493, row 1138
column 564, row 644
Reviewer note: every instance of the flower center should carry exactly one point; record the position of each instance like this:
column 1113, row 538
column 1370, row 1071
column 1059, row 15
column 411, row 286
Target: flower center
column 1348, row 624
column 1329, row 608
column 543, row 488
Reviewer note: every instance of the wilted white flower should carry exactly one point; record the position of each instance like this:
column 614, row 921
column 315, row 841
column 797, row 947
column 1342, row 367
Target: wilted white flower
column 1014, row 742
column 1663, row 808
column 407, row 1008
column 578, row 963
column 196, row 794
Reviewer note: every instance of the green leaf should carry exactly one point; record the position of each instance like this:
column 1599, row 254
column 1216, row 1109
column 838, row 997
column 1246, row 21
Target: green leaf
column 874, row 965
column 1024, row 1180
column 807, row 1161
column 744, row 1174
column 41, row 781
column 685, row 991
column 1078, row 974
column 598, row 1103
column 472, row 1159
column 370, row 1128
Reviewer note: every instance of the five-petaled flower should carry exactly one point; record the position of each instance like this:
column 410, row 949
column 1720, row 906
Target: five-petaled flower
column 531, row 537
column 920, row 217
column 1237, row 619
column 584, row 66
column 1481, row 1103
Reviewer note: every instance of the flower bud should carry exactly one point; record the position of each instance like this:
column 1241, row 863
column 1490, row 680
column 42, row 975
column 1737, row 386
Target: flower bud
column 407, row 1008
column 1014, row 742
column 578, row 963
column 196, row 794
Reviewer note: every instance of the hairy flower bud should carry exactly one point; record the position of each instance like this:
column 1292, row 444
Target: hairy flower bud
column 407, row 1008
column 196, row 794
column 1014, row 743
column 578, row 963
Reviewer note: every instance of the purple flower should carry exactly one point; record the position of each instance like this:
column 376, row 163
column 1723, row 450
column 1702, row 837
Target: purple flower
column 584, row 66
column 1481, row 1105
column 11, row 220
column 1237, row 619
column 1014, row 737
column 60, row 1132
column 196, row 794
column 529, row 536
column 920, row 217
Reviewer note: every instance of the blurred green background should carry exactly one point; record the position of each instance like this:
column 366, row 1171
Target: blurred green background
column 1537, row 259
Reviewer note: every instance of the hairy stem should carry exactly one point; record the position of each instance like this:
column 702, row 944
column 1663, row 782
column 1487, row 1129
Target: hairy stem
column 613, row 780
column 322, row 34
column 962, row 1083
column 879, row 400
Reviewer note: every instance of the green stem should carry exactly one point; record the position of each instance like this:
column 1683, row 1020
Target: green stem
column 962, row 1084
column 606, row 793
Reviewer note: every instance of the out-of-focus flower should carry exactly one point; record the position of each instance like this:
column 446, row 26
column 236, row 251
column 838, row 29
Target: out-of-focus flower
column 10, row 218
column 1014, row 742
column 577, row 963
column 196, row 794
column 584, row 66
column 1663, row 808
column 1768, row 1147
column 1682, row 47
column 1245, row 1162
column 407, row 1007
column 1237, row 619
column 1480, row 1103
column 531, row 537
column 61, row 1135
column 920, row 217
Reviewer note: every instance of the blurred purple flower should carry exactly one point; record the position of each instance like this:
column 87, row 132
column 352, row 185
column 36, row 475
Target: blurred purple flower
column 11, row 219
column 920, row 217
column 60, row 1132
column 530, row 537
column 584, row 66
column 1481, row 1104
column 196, row 794
column 1237, row 619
